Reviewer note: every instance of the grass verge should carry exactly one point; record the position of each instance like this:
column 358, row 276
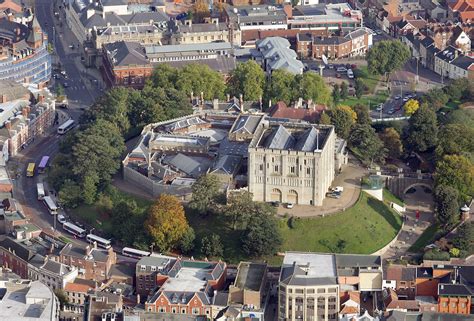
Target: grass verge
column 427, row 237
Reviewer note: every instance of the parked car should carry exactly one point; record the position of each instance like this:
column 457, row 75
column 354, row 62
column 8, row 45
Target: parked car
column 65, row 85
column 331, row 66
column 341, row 69
column 353, row 66
column 275, row 204
column 289, row 205
column 61, row 219
column 397, row 97
column 333, row 195
column 391, row 111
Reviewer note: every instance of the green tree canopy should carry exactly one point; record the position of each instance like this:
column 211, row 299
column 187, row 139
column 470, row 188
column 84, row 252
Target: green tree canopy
column 363, row 116
column 455, row 139
column 281, row 87
column 261, row 236
column 456, row 171
column 205, row 193
column 387, row 56
column 392, row 142
column 247, row 79
column 199, row 78
column 211, row 246
column 343, row 119
column 367, row 144
column 446, row 206
column 312, row 86
column 422, row 130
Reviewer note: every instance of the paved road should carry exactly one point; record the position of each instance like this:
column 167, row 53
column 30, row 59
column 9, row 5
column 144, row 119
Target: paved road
column 80, row 89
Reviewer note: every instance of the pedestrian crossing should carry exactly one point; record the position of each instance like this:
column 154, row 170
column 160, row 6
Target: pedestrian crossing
column 77, row 88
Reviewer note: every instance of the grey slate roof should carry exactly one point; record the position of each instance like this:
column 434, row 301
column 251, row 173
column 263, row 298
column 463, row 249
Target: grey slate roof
column 276, row 51
column 349, row 260
column 463, row 62
column 186, row 165
column 280, row 138
column 454, row 290
column 246, row 124
column 433, row 316
column 330, row 40
column 227, row 164
column 21, row 251
column 114, row 2
column 202, row 27
column 125, row 53
column 221, row 299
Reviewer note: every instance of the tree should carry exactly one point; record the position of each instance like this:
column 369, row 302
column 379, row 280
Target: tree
column 362, row 112
column 199, row 78
column 166, row 222
column 127, row 220
column 343, row 117
column 211, row 246
column 62, row 297
column 261, row 236
column 446, row 206
column 312, row 86
column 366, row 143
column 111, row 107
column 90, row 182
column 360, row 87
column 240, row 208
column 205, row 193
column 387, row 56
column 344, row 91
column 456, row 171
column 422, row 130
column 411, row 106
column 392, row 142
column 325, row 119
column 336, row 94
column 60, row 90
column 186, row 244
column 280, row 87
column 436, row 99
column 70, row 194
column 455, row 139
column 459, row 89
column 201, row 11
column 247, row 79
column 164, row 76
column 464, row 239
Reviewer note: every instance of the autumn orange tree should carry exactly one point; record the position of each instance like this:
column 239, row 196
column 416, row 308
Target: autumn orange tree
column 166, row 222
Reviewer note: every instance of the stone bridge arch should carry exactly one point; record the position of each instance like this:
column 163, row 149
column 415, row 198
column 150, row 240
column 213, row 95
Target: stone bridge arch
column 399, row 185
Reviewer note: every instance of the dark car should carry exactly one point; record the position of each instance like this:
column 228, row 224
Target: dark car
column 275, row 204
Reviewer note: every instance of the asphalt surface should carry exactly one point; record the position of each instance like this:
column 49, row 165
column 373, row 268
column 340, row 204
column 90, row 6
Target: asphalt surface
column 82, row 94
column 78, row 86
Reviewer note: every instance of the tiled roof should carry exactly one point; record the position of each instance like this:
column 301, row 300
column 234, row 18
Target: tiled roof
column 76, row 287
column 281, row 110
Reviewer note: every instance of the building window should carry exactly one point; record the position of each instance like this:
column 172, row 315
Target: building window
column 162, row 310
column 183, row 311
column 195, row 310
column 173, row 310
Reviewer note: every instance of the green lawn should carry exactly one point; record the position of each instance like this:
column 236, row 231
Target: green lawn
column 370, row 80
column 427, row 237
column 90, row 214
column 205, row 226
column 366, row 227
column 388, row 198
column 373, row 100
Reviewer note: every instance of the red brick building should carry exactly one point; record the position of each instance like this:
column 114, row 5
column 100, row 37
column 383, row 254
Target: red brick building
column 93, row 263
column 355, row 43
column 301, row 110
column 15, row 257
column 187, row 287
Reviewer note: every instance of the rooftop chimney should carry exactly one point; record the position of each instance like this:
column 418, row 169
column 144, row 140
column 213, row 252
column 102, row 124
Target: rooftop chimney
column 241, row 101
column 299, row 104
column 215, row 104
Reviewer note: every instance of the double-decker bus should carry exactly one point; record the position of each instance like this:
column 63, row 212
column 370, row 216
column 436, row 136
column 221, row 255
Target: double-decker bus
column 99, row 240
column 50, row 205
column 67, row 126
column 74, row 229
column 40, row 190
column 128, row 251
column 30, row 170
column 43, row 164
